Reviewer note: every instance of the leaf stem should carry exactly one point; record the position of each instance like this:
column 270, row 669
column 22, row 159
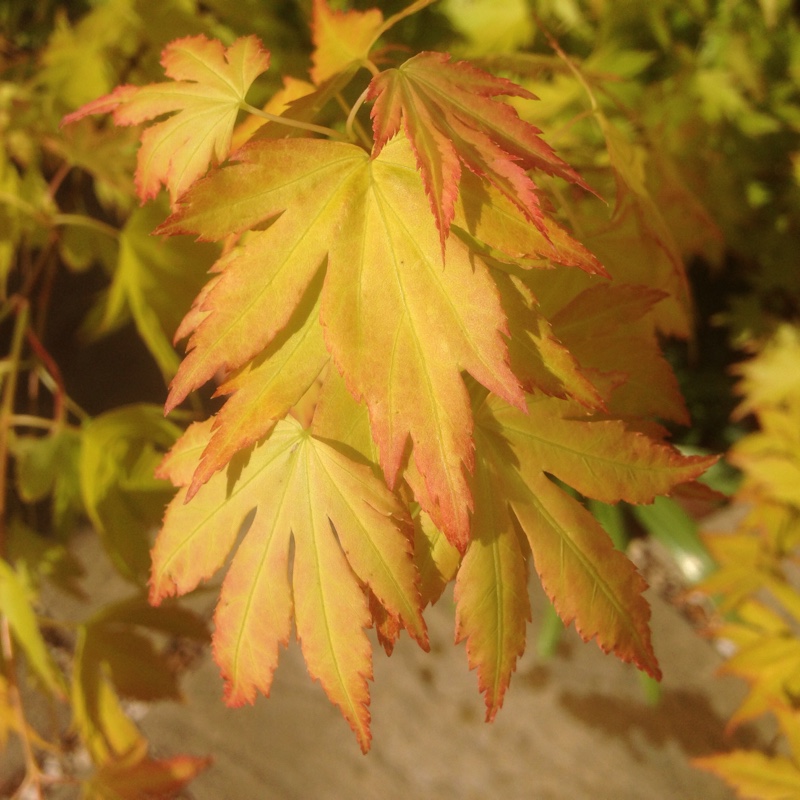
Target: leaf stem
column 369, row 65
column 352, row 126
column 400, row 15
column 31, row 421
column 57, row 179
column 21, row 328
column 18, row 203
column 293, row 123
column 7, row 406
column 82, row 221
column 33, row 776
column 59, row 411
column 551, row 40
column 56, row 219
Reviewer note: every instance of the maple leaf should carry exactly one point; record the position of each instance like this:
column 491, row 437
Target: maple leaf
column 147, row 286
column 209, row 87
column 399, row 326
column 754, row 774
column 345, row 530
column 588, row 580
column 263, row 391
column 491, row 219
column 449, row 115
column 491, row 593
column 115, row 654
column 609, row 329
column 135, row 775
column 18, row 610
column 539, row 359
column 339, row 417
column 769, row 380
column 770, row 666
column 342, row 39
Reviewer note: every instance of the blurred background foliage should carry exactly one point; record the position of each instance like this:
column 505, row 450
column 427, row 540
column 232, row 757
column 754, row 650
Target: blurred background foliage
column 684, row 114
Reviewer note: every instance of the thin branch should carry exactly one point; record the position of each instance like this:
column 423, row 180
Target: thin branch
column 400, row 15
column 7, row 405
column 83, row 221
column 33, row 776
column 59, row 396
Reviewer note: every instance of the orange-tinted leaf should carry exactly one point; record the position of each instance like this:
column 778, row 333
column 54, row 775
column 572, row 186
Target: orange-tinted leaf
column 588, row 580
column 491, row 218
column 208, row 88
column 491, row 593
column 308, row 183
column 637, row 235
column 609, row 329
column 265, row 389
column 400, row 326
column 599, row 458
column 451, row 118
column 342, row 39
column 339, row 417
column 135, row 776
column 538, row 358
column 436, row 559
column 345, row 530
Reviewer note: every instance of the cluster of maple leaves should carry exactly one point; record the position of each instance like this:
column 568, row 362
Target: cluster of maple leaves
column 757, row 599
column 400, row 411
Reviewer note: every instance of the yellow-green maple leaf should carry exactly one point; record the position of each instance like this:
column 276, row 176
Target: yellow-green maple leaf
column 755, row 775
column 587, row 579
column 324, row 518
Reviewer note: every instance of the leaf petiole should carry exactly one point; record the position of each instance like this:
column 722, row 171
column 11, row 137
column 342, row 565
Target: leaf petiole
column 400, row 15
column 82, row 221
column 351, row 123
column 293, row 123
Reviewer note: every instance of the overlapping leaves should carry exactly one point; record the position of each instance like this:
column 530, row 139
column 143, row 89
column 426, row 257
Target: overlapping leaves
column 208, row 87
column 398, row 326
column 325, row 528
column 338, row 275
column 587, row 579
column 451, row 119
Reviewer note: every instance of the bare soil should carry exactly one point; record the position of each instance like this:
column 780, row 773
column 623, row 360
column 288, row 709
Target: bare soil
column 576, row 726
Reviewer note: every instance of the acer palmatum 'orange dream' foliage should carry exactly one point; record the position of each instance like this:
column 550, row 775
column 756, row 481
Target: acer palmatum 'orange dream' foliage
column 401, row 410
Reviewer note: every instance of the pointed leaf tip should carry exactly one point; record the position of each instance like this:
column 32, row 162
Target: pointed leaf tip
column 209, row 85
column 450, row 116
column 302, row 496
